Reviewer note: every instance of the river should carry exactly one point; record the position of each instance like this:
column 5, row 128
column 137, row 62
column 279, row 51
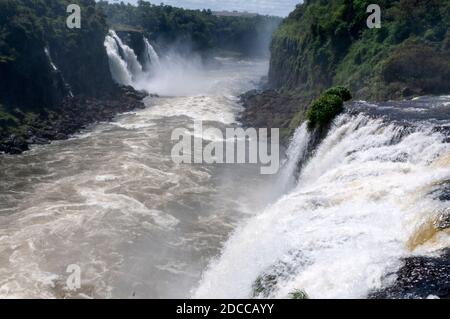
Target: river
column 112, row 202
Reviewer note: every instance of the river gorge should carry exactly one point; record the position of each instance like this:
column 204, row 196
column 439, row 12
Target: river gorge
column 112, row 201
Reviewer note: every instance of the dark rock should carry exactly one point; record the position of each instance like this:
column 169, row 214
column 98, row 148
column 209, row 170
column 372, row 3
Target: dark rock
column 71, row 116
column 420, row 277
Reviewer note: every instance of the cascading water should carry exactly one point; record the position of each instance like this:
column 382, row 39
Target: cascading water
column 356, row 210
column 47, row 53
column 174, row 74
column 152, row 58
column 119, row 67
column 123, row 61
column 56, row 70
column 295, row 154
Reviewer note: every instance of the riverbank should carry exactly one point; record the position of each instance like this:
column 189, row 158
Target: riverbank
column 70, row 117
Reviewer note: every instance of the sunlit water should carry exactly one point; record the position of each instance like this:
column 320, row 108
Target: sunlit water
column 368, row 197
column 112, row 201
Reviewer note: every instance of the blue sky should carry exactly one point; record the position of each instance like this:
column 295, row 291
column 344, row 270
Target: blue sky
column 273, row 7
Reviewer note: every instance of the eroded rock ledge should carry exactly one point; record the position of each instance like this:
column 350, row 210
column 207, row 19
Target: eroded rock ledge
column 69, row 118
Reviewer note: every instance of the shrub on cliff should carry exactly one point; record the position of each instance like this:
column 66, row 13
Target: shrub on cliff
column 323, row 110
column 340, row 91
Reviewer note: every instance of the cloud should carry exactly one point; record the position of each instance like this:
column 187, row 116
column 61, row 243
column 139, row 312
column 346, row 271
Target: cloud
column 272, row 7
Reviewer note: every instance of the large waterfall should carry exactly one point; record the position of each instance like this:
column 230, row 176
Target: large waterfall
column 178, row 72
column 365, row 199
column 124, row 63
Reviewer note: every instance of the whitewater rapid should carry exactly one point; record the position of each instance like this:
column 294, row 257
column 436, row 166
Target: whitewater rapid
column 334, row 223
column 111, row 200
column 359, row 206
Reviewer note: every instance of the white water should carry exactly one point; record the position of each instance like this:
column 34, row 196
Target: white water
column 55, row 68
column 112, row 201
column 346, row 224
column 152, row 58
column 50, row 61
column 118, row 67
column 124, row 69
column 295, row 154
column 169, row 75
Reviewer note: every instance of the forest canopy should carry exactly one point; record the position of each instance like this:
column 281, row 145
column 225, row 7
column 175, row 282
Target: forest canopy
column 249, row 35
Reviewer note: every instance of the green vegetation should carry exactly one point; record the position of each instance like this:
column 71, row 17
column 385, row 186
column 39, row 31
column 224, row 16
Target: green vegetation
column 249, row 35
column 29, row 86
column 299, row 294
column 264, row 285
column 340, row 91
column 323, row 43
column 323, row 110
column 30, row 30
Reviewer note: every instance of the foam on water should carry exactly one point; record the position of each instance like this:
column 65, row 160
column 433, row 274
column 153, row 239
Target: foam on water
column 112, row 201
column 345, row 225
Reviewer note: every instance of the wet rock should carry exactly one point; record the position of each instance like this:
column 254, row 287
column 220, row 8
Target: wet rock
column 70, row 117
column 420, row 277
column 272, row 109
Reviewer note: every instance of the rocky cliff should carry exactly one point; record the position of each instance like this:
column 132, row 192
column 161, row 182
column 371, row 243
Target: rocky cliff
column 327, row 43
column 53, row 80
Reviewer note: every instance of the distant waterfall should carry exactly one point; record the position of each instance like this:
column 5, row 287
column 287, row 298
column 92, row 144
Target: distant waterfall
column 118, row 66
column 151, row 57
column 124, row 63
column 56, row 70
column 47, row 53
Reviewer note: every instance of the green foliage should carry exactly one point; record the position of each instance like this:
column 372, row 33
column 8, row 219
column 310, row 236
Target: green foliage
column 323, row 43
column 6, row 117
column 29, row 26
column 264, row 285
column 249, row 35
column 340, row 91
column 299, row 295
column 324, row 109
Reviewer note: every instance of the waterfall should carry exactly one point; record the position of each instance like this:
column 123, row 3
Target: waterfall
column 56, row 70
column 47, row 53
column 151, row 57
column 117, row 65
column 123, row 62
column 295, row 154
column 347, row 223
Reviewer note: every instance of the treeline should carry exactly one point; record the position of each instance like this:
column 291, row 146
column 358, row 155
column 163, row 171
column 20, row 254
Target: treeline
column 33, row 32
column 325, row 43
column 249, row 35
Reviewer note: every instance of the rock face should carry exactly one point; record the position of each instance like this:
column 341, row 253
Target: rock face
column 42, row 61
column 135, row 40
column 328, row 43
column 420, row 277
column 270, row 109
column 72, row 115
column 54, row 80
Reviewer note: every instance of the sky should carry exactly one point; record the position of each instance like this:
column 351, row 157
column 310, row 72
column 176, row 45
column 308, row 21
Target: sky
column 272, row 7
